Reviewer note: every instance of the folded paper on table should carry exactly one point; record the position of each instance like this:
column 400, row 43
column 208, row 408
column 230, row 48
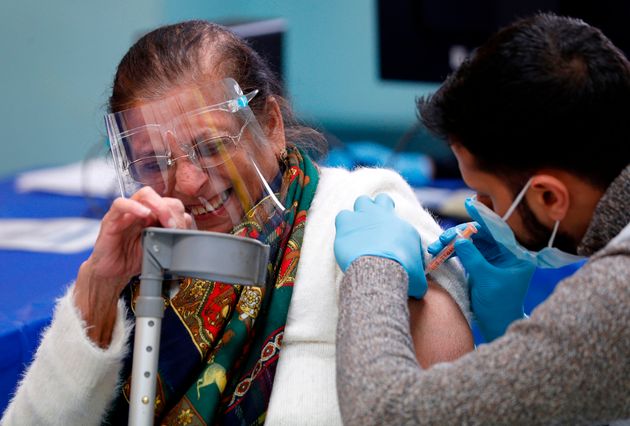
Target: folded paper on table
column 96, row 178
column 65, row 235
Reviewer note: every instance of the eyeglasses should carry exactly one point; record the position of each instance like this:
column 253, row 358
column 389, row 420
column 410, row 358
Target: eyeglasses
column 207, row 152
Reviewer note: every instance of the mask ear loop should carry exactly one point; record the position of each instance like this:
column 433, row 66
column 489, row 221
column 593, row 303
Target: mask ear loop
column 517, row 200
column 553, row 233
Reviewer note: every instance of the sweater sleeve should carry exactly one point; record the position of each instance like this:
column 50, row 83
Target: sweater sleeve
column 567, row 364
column 71, row 380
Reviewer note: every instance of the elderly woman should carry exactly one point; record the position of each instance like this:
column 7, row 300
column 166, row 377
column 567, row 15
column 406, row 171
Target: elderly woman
column 201, row 137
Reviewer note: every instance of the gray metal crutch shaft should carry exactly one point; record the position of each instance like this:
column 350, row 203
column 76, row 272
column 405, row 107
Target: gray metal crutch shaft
column 185, row 253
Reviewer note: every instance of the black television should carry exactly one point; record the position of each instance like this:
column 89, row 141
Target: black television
column 425, row 40
column 266, row 37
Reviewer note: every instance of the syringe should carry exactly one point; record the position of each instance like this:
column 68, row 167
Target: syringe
column 446, row 252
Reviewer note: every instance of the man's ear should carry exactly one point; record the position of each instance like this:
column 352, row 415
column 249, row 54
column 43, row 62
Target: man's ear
column 549, row 196
column 274, row 124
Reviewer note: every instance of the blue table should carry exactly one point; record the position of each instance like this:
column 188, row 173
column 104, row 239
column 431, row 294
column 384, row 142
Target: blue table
column 30, row 282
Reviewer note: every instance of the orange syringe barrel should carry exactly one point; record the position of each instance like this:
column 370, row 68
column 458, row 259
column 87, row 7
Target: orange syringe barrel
column 450, row 247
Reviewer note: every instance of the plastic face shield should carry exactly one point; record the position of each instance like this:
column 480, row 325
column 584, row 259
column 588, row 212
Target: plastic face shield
column 203, row 146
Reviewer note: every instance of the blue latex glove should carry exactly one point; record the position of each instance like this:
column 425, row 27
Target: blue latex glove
column 374, row 229
column 497, row 280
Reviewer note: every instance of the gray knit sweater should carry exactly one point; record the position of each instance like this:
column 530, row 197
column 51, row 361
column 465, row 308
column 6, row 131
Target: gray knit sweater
column 568, row 364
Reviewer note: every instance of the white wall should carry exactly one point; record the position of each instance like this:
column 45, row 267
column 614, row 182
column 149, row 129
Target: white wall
column 332, row 72
column 58, row 58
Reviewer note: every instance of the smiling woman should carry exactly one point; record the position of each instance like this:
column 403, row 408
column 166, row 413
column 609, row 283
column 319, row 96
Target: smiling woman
column 203, row 146
column 193, row 146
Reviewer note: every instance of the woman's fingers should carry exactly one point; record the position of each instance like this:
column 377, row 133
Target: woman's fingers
column 177, row 213
column 170, row 212
column 125, row 212
column 146, row 208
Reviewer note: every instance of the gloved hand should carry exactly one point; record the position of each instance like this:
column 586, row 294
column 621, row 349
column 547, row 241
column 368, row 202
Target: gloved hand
column 497, row 280
column 374, row 229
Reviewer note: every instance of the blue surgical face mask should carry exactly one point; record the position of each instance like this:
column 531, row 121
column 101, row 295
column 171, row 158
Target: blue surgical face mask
column 549, row 257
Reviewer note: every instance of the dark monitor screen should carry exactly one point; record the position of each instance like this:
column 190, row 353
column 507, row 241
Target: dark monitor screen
column 425, row 40
column 265, row 37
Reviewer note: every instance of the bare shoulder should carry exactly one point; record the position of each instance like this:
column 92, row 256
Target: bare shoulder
column 439, row 329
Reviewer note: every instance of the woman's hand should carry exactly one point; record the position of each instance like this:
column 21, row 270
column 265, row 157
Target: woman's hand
column 117, row 256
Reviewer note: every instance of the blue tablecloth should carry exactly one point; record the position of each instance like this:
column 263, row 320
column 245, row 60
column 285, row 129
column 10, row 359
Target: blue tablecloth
column 29, row 281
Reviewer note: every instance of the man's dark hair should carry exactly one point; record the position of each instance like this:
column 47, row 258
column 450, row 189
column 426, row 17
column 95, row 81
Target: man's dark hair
column 546, row 91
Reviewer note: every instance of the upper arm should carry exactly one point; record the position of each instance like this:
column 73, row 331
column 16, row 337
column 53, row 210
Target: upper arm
column 439, row 330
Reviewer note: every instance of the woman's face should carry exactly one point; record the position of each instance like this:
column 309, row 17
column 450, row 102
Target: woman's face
column 211, row 167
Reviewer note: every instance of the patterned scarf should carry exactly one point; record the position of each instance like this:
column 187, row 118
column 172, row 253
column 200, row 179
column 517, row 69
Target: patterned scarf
column 220, row 343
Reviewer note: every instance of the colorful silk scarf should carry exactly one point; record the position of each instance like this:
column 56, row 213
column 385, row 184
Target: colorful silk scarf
column 220, row 343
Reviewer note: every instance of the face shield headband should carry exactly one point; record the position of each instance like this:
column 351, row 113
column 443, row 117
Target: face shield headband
column 201, row 145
